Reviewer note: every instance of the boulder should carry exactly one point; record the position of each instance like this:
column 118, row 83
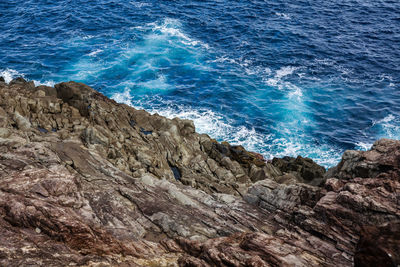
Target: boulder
column 304, row 169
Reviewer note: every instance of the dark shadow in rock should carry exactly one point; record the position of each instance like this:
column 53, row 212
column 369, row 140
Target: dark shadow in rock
column 145, row 132
column 42, row 130
column 175, row 171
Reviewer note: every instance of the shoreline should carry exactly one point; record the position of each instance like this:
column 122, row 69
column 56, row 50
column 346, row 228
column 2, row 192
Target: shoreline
column 219, row 122
column 108, row 184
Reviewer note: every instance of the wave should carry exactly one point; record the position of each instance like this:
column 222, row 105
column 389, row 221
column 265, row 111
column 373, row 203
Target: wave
column 324, row 155
column 46, row 83
column 279, row 74
column 278, row 81
column 363, row 146
column 10, row 74
column 387, row 127
column 171, row 28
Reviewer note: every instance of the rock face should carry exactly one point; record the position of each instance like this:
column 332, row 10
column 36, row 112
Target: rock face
column 86, row 181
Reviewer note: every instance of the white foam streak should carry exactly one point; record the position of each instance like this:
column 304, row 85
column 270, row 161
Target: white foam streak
column 282, row 72
column 95, row 52
column 171, row 27
column 87, row 37
column 139, row 4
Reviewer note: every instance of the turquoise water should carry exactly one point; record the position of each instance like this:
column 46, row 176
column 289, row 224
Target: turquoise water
column 279, row 77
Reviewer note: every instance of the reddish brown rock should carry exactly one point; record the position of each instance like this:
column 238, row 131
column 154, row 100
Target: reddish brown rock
column 379, row 246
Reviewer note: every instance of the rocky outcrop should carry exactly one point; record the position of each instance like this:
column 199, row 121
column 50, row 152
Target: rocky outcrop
column 299, row 169
column 383, row 160
column 87, row 181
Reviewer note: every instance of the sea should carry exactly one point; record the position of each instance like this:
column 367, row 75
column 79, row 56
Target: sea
column 279, row 77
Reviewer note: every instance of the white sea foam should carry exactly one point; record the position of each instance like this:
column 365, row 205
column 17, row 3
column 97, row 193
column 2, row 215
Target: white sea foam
column 47, row 83
column 283, row 15
column 246, row 64
column 363, row 146
column 278, row 82
column 124, row 97
column 389, row 126
column 87, row 37
column 95, row 52
column 160, row 83
column 294, row 146
column 139, row 4
column 223, row 59
column 172, row 27
column 325, row 62
column 279, row 74
column 9, row 74
column 385, row 77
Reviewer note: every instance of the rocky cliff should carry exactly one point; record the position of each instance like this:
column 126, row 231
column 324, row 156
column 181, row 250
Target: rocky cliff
column 86, row 181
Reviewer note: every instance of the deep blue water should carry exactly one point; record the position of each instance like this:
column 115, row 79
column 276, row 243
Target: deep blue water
column 280, row 77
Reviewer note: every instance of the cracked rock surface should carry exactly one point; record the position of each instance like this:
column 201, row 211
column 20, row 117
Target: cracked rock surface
column 85, row 181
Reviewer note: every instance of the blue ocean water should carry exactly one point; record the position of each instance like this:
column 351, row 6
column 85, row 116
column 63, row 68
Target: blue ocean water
column 279, row 77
